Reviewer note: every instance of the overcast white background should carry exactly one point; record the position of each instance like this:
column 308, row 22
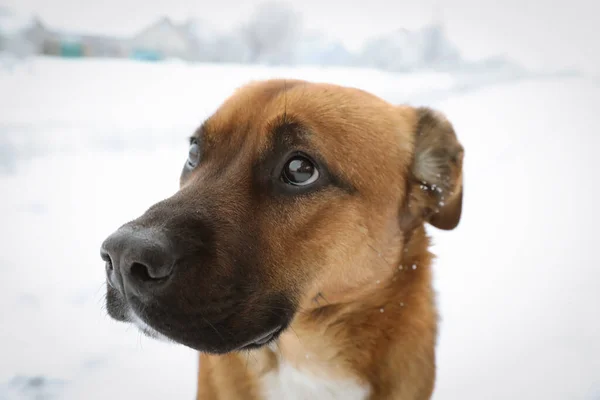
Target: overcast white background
column 546, row 34
column 517, row 282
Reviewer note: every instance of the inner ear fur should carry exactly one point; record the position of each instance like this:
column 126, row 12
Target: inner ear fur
column 435, row 183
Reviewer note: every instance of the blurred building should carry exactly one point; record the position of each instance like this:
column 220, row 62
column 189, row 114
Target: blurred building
column 273, row 36
column 31, row 36
column 73, row 45
column 162, row 40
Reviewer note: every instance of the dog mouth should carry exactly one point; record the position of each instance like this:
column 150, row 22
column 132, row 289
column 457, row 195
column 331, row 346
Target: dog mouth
column 217, row 336
column 254, row 343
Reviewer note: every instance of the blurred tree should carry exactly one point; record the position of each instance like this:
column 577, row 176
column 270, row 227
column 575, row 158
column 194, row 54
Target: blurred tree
column 272, row 34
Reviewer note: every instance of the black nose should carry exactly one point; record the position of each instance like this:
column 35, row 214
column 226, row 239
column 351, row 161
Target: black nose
column 137, row 258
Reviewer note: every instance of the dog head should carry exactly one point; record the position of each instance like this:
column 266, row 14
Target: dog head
column 288, row 189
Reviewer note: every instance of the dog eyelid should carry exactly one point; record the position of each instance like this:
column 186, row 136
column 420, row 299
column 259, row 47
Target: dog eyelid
column 193, row 155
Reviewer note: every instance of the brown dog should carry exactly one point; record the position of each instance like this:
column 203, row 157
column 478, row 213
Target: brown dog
column 295, row 257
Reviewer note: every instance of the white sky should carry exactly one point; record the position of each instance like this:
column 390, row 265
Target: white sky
column 539, row 33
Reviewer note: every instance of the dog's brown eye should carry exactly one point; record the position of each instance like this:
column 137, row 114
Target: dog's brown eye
column 194, row 155
column 299, row 171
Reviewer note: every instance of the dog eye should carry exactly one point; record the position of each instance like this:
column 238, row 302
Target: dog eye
column 299, row 171
column 193, row 155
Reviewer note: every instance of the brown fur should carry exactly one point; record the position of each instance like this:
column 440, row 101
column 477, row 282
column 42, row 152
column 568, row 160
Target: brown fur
column 366, row 304
column 336, row 274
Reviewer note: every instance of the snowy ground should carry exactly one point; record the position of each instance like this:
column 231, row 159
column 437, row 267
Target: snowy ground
column 87, row 145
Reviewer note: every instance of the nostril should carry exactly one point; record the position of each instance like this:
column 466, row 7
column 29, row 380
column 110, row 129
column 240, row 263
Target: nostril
column 147, row 273
column 135, row 258
column 140, row 272
column 143, row 273
column 106, row 257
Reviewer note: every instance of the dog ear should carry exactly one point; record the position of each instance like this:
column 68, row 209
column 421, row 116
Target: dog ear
column 435, row 181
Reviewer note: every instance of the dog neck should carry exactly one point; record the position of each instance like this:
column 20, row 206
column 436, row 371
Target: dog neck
column 366, row 336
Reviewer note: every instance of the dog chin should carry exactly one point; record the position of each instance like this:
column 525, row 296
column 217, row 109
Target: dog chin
column 147, row 329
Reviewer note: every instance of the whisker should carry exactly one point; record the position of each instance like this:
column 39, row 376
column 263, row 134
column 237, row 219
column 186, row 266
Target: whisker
column 380, row 255
column 279, row 349
column 247, row 358
column 293, row 330
column 321, row 295
column 102, row 285
column 102, row 302
column 253, row 356
column 284, row 100
column 214, row 329
column 206, row 320
column 298, row 337
column 299, row 310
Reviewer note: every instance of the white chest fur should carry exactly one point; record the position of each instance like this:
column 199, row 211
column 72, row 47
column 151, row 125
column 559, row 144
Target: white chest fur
column 288, row 383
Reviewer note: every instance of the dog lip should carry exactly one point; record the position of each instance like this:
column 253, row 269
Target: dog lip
column 110, row 279
column 263, row 339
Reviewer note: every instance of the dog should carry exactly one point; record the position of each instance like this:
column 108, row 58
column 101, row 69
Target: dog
column 294, row 257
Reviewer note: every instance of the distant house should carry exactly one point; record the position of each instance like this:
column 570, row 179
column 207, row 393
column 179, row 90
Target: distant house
column 102, row 46
column 69, row 46
column 27, row 35
column 43, row 40
column 162, row 40
column 74, row 45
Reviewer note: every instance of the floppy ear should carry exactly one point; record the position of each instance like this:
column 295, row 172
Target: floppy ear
column 435, row 182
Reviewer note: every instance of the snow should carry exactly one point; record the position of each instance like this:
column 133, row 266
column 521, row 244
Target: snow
column 518, row 281
column 87, row 145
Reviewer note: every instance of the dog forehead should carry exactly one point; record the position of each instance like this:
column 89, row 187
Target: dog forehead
column 356, row 132
column 256, row 105
column 248, row 107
